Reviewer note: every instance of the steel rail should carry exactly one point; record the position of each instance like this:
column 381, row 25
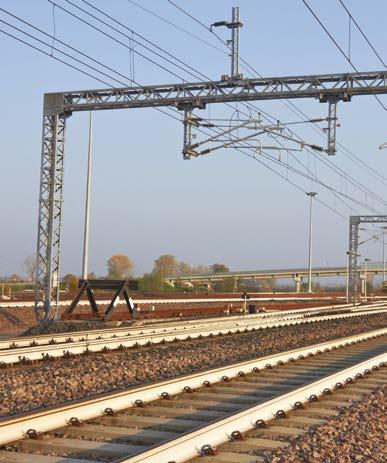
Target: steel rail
column 10, row 356
column 43, row 420
column 189, row 445
column 161, row 326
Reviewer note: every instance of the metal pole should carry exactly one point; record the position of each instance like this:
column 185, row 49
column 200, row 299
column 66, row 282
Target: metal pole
column 85, row 266
column 365, row 278
column 235, row 42
column 384, row 260
column 347, row 282
column 3, row 285
column 311, row 196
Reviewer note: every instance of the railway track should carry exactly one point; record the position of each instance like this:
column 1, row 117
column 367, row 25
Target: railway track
column 25, row 341
column 179, row 419
column 17, row 350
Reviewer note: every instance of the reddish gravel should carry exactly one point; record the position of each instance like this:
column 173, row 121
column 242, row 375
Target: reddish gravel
column 48, row 383
column 358, row 434
column 18, row 319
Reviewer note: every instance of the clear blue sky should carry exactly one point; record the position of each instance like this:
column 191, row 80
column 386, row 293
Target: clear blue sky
column 147, row 201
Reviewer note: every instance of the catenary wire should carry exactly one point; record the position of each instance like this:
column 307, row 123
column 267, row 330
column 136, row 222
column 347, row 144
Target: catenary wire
column 289, row 104
column 354, row 182
column 362, row 33
column 371, row 193
column 337, row 45
column 96, row 78
column 46, row 53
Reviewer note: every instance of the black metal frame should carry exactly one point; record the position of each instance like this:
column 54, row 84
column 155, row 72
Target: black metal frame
column 120, row 287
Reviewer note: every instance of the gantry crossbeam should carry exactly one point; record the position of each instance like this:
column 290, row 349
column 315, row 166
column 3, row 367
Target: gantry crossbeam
column 323, row 87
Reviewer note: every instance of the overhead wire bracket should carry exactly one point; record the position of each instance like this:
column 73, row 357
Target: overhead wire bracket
column 332, row 125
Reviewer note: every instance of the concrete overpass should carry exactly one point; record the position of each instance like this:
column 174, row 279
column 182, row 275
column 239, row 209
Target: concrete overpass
column 296, row 274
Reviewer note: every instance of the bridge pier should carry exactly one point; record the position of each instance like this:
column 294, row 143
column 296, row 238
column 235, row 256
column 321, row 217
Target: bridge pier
column 362, row 283
column 297, row 280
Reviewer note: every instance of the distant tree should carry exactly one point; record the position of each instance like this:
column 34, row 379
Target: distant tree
column 166, row 265
column 201, row 270
column 184, row 269
column 91, row 276
column 119, row 267
column 15, row 278
column 29, row 266
column 151, row 282
column 71, row 282
column 219, row 268
column 155, row 281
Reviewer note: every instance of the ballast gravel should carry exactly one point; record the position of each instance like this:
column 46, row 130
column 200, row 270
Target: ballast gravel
column 48, row 383
column 356, row 435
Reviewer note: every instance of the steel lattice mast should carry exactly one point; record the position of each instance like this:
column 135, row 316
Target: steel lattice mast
column 184, row 96
column 353, row 271
column 50, row 214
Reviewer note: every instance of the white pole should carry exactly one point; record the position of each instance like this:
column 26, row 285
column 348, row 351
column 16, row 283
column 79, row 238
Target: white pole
column 85, row 265
column 311, row 195
column 384, row 260
column 347, row 282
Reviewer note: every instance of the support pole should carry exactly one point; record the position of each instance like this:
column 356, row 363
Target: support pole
column 311, row 195
column 187, row 137
column 332, row 124
column 244, row 303
column 236, row 25
column 352, row 256
column 85, row 264
column 50, row 214
column 384, row 261
column 365, row 278
column 233, row 43
column 297, row 280
column 384, row 257
column 362, row 285
column 347, row 281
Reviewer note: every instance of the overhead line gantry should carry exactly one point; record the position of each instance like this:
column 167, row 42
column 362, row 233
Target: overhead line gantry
column 329, row 88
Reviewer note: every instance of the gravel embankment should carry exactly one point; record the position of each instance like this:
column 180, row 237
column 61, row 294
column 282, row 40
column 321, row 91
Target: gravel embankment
column 19, row 319
column 357, row 434
column 64, row 327
column 47, row 383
